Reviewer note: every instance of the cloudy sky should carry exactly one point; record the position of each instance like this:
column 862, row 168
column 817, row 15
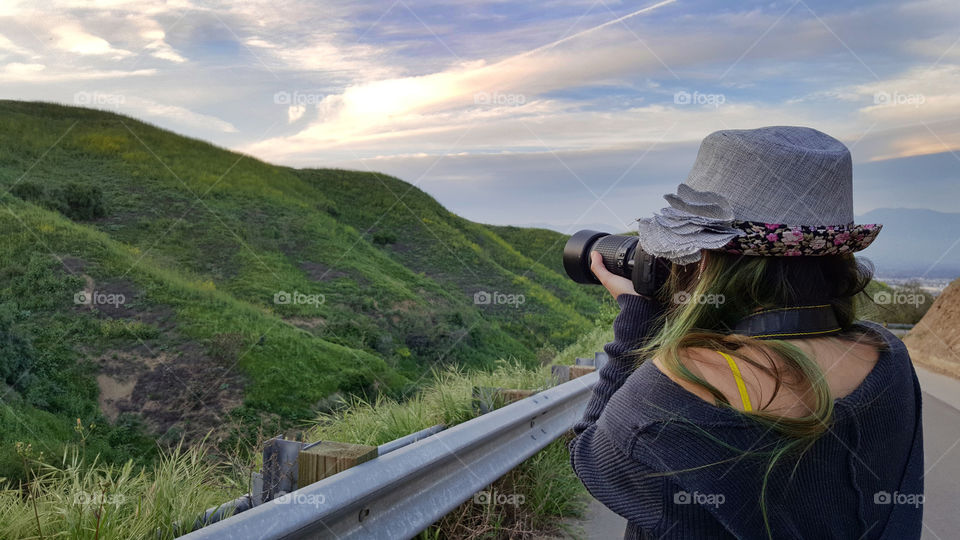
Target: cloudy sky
column 557, row 112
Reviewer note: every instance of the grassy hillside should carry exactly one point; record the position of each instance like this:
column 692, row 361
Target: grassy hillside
column 233, row 294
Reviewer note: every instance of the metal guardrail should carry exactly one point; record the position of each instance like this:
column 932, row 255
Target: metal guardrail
column 255, row 498
column 403, row 492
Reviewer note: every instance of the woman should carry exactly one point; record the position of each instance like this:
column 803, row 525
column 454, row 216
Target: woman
column 746, row 401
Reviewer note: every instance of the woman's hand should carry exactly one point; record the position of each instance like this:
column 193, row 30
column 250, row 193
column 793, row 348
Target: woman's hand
column 615, row 284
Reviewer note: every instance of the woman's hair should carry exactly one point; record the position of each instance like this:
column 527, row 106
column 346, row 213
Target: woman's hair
column 704, row 306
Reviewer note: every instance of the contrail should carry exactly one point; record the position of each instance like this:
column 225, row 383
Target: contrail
column 595, row 28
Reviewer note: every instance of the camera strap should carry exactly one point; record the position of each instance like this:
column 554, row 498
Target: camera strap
column 795, row 322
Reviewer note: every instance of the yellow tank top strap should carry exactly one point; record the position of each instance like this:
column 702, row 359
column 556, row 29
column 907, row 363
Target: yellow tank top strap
column 742, row 388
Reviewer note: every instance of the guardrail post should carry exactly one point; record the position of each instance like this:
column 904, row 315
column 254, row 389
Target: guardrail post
column 600, row 359
column 329, row 458
column 560, row 373
column 280, row 469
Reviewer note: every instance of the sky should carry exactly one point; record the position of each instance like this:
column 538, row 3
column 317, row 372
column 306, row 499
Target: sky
column 559, row 113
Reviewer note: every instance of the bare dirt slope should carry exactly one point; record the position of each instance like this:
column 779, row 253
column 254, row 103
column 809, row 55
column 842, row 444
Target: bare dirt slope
column 935, row 341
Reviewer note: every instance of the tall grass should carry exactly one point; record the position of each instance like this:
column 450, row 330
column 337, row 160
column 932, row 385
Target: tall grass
column 86, row 499
column 79, row 498
column 529, row 501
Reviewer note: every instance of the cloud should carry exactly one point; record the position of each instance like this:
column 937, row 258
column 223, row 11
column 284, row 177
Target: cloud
column 72, row 38
column 140, row 107
column 136, row 106
column 152, row 31
column 35, row 73
column 501, row 95
column 9, row 46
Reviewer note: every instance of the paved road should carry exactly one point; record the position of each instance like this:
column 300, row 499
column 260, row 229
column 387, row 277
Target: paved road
column 941, row 452
column 941, row 434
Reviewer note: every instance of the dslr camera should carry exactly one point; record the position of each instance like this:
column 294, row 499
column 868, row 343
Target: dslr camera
column 622, row 255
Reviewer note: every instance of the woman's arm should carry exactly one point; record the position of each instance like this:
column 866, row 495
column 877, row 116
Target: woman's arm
column 607, row 470
column 637, row 321
column 605, row 467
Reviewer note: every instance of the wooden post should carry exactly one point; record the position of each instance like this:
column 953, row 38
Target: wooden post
column 579, row 371
column 508, row 395
column 328, row 458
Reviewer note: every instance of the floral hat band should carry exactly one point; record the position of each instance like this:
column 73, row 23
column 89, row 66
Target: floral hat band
column 773, row 191
column 772, row 239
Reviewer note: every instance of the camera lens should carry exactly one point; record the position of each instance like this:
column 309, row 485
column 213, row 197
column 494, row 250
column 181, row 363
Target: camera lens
column 616, row 250
column 617, row 253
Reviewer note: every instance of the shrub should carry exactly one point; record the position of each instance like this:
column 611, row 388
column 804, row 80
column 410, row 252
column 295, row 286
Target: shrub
column 75, row 200
column 16, row 353
column 384, row 237
column 83, row 201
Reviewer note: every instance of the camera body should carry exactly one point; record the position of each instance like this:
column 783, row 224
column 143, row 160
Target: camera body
column 622, row 256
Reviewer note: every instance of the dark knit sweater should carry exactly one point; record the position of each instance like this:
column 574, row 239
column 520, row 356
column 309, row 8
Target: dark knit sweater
column 862, row 479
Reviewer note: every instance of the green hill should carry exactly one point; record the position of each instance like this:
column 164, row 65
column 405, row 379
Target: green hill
column 235, row 295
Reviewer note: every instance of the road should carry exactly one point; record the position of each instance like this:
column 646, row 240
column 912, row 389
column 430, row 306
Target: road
column 941, row 433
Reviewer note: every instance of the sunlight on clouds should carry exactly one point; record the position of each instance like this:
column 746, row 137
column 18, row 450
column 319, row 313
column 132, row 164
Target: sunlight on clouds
column 140, row 107
column 16, row 68
column 39, row 74
column 295, row 112
column 71, row 37
column 151, row 31
column 917, row 99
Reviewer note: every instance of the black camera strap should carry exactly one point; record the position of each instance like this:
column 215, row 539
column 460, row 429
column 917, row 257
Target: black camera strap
column 795, row 322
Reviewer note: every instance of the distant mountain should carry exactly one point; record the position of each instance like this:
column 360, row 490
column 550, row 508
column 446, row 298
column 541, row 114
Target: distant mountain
column 915, row 242
column 570, row 228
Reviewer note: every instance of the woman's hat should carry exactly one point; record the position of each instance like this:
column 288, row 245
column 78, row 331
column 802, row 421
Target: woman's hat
column 771, row 191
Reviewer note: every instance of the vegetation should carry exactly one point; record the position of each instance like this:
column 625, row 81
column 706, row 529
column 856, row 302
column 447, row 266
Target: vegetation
column 533, row 497
column 904, row 304
column 157, row 287
column 79, row 497
column 85, row 498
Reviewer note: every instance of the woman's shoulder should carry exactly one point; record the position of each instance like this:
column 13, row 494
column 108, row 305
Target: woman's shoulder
column 891, row 342
column 649, row 399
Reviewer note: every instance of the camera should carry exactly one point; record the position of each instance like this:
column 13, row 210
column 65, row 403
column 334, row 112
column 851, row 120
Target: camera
column 622, row 255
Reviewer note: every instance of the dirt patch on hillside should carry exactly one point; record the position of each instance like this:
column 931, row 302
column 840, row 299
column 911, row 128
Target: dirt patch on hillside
column 74, row 265
column 311, row 324
column 181, row 388
column 935, row 341
column 112, row 393
column 175, row 385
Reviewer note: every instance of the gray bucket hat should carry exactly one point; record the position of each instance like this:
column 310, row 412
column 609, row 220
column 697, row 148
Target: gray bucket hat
column 771, row 191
